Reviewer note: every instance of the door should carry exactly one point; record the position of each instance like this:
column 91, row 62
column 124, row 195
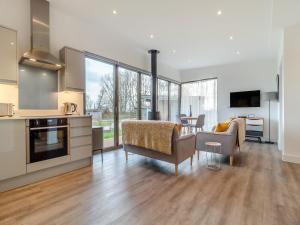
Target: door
column 128, row 97
column 100, row 97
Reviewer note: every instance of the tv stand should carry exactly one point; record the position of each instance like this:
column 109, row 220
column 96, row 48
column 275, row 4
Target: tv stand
column 254, row 128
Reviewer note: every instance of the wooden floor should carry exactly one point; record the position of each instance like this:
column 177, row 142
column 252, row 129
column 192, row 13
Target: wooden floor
column 259, row 190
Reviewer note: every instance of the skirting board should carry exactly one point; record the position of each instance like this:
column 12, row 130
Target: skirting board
column 291, row 158
column 30, row 178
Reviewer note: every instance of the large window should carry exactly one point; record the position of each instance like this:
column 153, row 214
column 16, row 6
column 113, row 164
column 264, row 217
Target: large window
column 174, row 101
column 146, row 96
column 128, row 97
column 163, row 101
column 116, row 93
column 100, row 97
column 200, row 97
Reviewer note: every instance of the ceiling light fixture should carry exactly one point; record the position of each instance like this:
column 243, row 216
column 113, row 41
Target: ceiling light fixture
column 231, row 38
column 219, row 12
column 12, row 43
column 173, row 51
column 238, row 52
column 151, row 36
column 115, row 12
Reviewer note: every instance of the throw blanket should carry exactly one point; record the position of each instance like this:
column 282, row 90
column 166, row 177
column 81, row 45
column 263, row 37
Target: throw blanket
column 241, row 130
column 154, row 135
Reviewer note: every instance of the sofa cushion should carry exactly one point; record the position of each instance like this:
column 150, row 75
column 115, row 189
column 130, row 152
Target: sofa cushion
column 222, row 127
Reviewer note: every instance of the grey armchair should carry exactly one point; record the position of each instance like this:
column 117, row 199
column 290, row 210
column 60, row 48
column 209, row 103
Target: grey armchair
column 228, row 140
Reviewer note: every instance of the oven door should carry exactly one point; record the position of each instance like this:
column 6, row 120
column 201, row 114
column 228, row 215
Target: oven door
column 48, row 143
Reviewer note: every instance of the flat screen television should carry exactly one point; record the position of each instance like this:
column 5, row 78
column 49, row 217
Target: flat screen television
column 245, row 99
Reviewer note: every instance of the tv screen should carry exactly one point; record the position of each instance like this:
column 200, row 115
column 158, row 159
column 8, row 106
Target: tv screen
column 245, row 99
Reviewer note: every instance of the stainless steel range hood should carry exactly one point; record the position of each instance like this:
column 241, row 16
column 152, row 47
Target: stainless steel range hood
column 39, row 55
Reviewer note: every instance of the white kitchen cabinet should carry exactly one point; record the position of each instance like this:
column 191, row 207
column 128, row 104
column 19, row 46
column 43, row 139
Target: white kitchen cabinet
column 80, row 138
column 72, row 76
column 12, row 149
column 8, row 56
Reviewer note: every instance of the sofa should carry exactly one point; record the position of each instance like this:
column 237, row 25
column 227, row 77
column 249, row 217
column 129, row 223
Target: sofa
column 182, row 147
column 228, row 139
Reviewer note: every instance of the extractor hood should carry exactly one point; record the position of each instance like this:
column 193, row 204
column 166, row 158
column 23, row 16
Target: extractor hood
column 39, row 55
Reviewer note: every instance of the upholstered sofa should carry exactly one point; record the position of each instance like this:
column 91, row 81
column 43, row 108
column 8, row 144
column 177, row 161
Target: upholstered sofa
column 182, row 147
column 228, row 140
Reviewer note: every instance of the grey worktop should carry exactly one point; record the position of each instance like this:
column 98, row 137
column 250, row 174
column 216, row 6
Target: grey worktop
column 41, row 117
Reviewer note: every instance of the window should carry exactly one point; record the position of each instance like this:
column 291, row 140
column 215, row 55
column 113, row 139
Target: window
column 128, row 97
column 174, row 101
column 200, row 97
column 100, row 97
column 146, row 96
column 163, row 101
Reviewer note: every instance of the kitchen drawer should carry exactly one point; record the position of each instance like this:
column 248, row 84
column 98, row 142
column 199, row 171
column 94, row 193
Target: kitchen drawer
column 80, row 141
column 80, row 131
column 81, row 122
column 81, row 152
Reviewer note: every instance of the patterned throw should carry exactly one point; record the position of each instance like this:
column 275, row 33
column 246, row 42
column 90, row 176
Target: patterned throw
column 154, row 135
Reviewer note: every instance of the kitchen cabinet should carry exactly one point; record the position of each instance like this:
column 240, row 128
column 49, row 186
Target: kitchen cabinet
column 8, row 56
column 72, row 76
column 80, row 138
column 13, row 148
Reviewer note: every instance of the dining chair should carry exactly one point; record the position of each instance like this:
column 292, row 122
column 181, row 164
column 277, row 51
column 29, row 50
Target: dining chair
column 184, row 122
column 199, row 123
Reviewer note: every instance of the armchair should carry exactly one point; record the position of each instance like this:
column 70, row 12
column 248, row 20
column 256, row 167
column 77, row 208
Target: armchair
column 228, row 140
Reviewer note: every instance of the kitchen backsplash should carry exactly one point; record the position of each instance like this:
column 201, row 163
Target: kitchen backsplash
column 9, row 94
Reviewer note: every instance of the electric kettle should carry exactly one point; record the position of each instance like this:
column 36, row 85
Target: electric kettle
column 70, row 108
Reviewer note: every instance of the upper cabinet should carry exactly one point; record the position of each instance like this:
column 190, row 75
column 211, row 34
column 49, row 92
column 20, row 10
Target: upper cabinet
column 8, row 56
column 72, row 77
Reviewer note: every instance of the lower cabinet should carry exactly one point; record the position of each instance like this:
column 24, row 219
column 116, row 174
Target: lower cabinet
column 12, row 149
column 80, row 138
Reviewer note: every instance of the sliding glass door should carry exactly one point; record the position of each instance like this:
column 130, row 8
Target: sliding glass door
column 174, row 101
column 115, row 94
column 128, row 97
column 146, row 96
column 200, row 97
column 100, row 86
column 163, row 99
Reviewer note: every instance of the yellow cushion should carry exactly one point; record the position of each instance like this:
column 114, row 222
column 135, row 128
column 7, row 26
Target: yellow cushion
column 222, row 127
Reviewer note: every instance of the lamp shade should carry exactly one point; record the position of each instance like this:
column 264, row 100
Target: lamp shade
column 270, row 96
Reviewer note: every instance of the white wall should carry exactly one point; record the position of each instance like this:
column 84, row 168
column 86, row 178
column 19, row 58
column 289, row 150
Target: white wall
column 291, row 96
column 246, row 76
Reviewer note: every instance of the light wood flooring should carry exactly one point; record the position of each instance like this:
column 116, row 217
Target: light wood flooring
column 259, row 190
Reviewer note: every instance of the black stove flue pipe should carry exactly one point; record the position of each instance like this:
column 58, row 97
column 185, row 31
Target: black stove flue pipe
column 154, row 53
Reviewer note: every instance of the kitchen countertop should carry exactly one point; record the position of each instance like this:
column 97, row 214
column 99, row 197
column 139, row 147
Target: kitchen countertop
column 41, row 117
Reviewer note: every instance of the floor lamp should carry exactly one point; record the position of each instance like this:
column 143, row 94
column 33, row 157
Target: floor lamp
column 270, row 96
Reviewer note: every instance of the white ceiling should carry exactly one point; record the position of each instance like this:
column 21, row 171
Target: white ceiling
column 191, row 27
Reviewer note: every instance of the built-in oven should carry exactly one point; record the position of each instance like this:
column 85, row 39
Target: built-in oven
column 47, row 138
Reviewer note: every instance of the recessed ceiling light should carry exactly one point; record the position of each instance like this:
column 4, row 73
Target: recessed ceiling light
column 115, row 12
column 219, row 12
column 151, row 36
column 238, row 52
column 231, row 38
column 12, row 43
column 173, row 51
